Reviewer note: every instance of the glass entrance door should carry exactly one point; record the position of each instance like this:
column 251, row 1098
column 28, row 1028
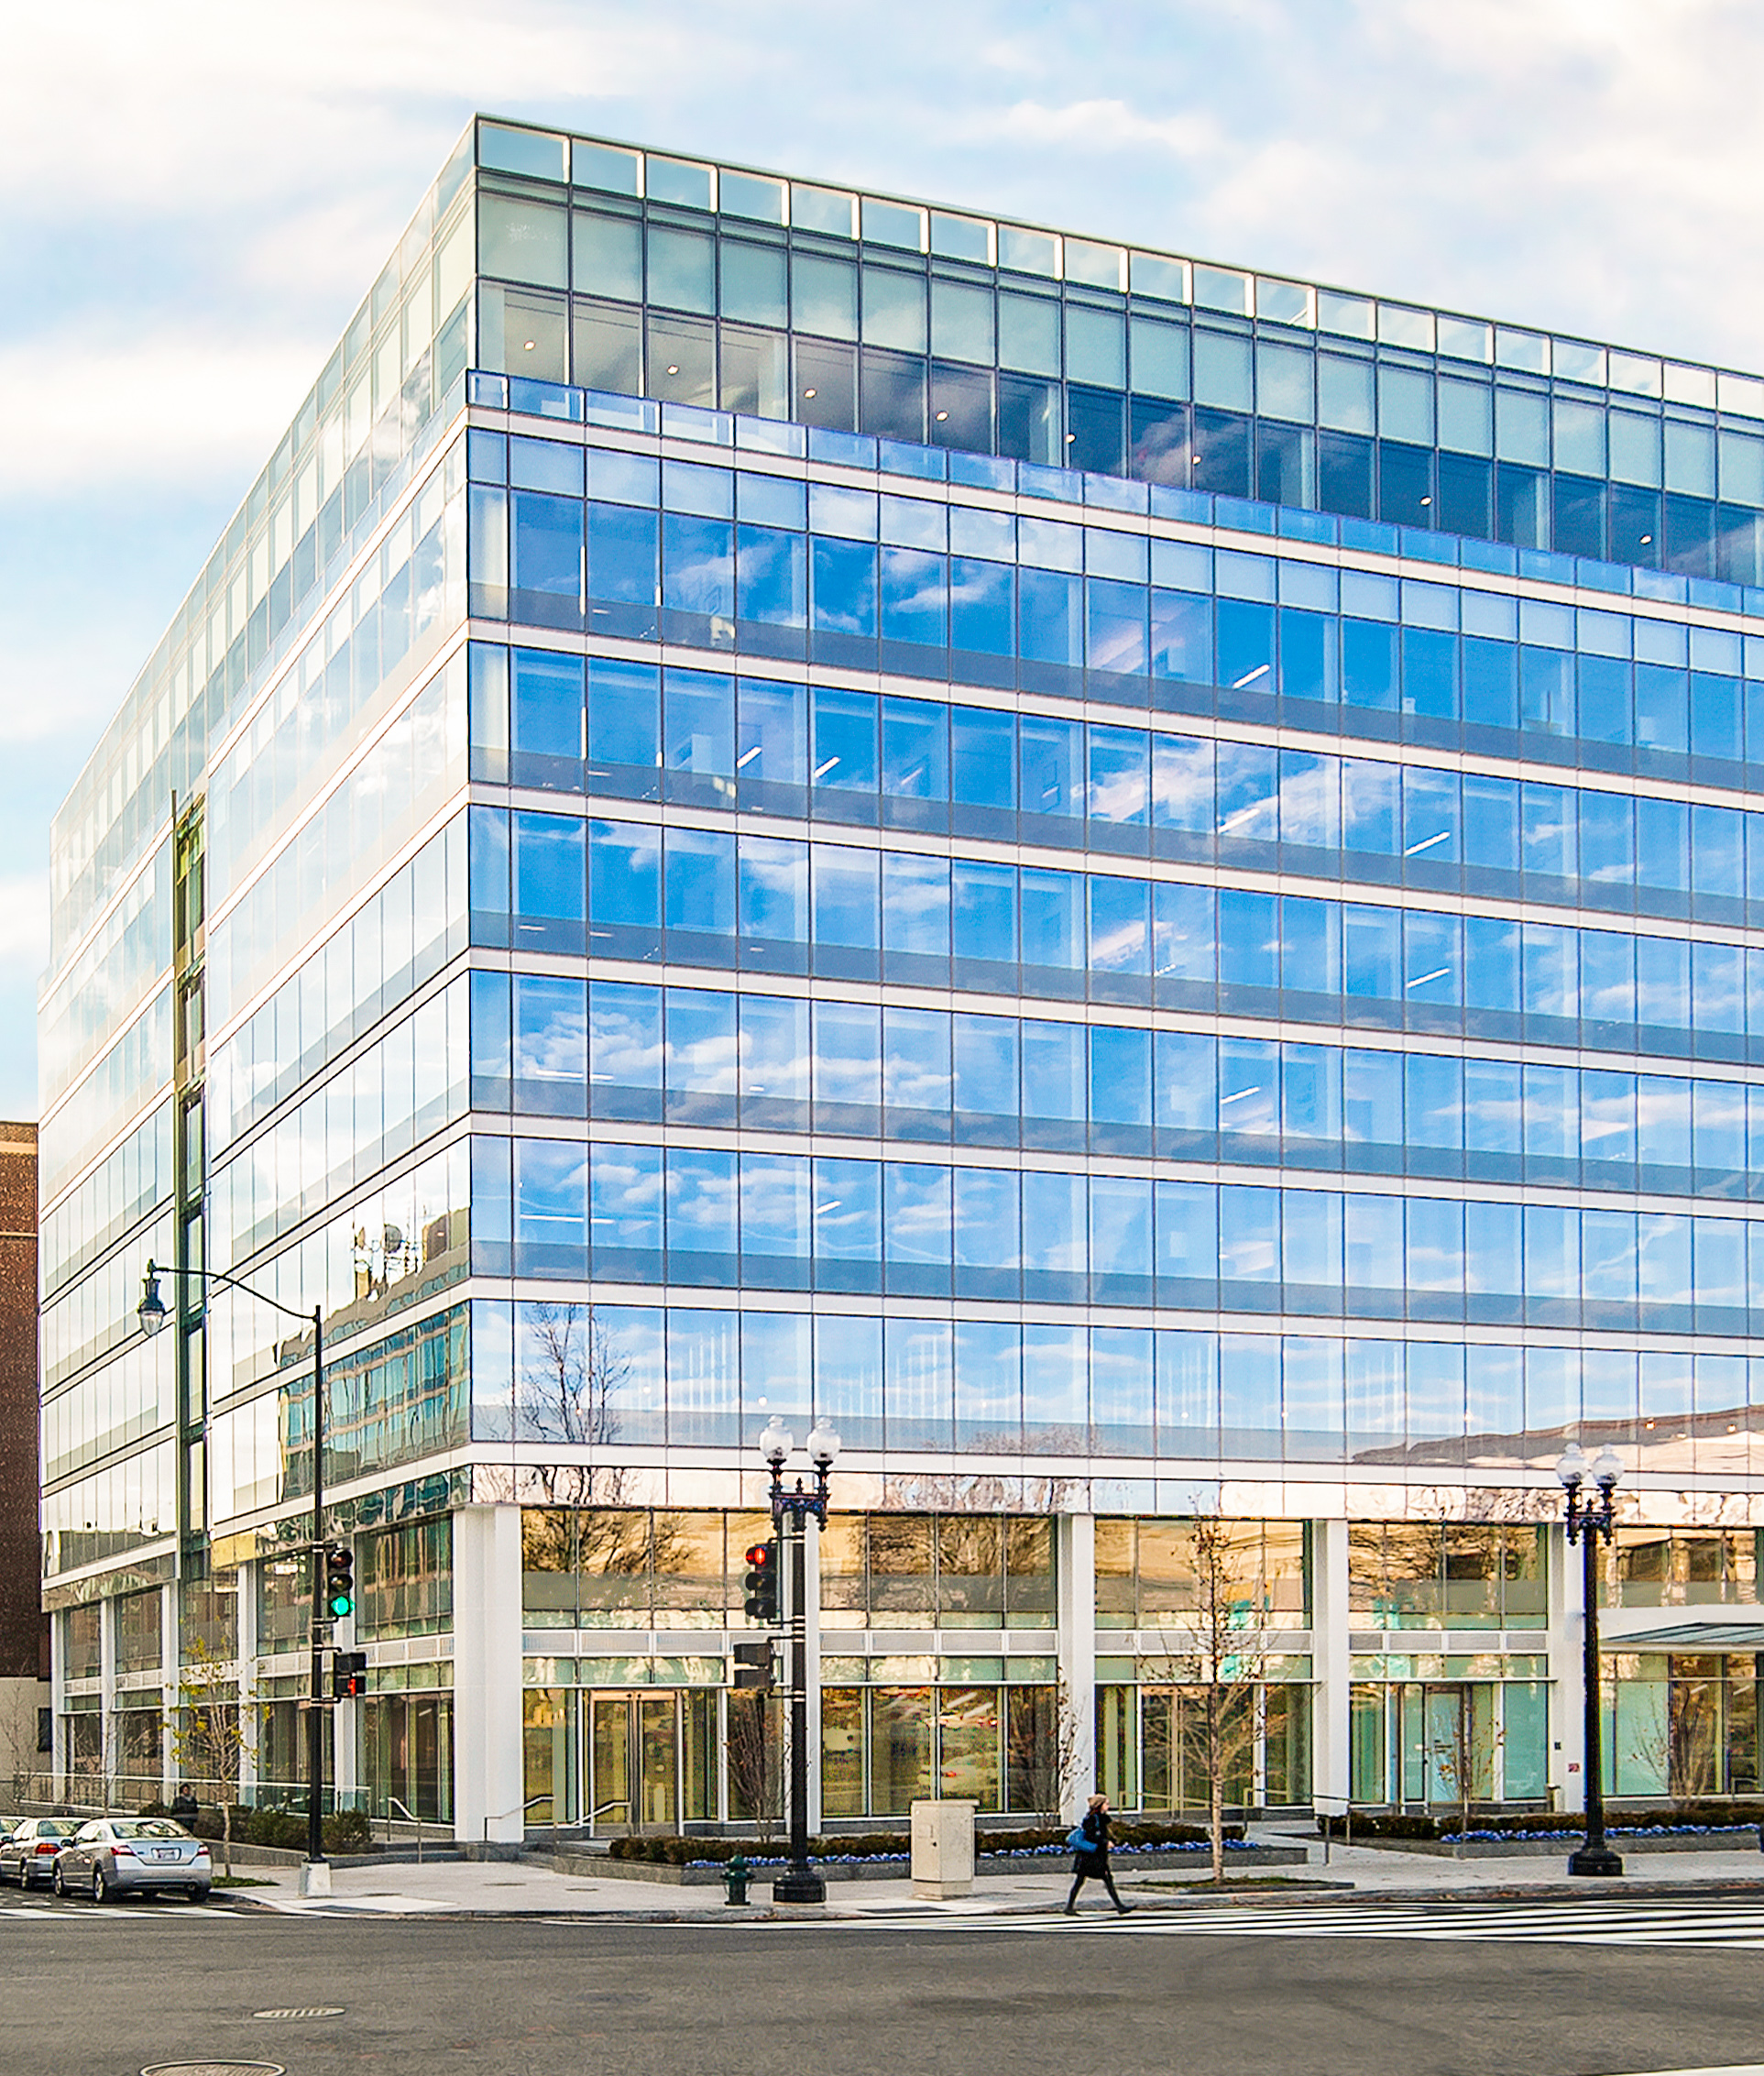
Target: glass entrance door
column 634, row 1741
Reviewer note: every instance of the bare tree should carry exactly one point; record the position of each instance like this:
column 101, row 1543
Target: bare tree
column 755, row 1751
column 1462, row 1753
column 568, row 1393
column 1043, row 1743
column 1222, row 1658
column 213, row 1731
column 1678, row 1742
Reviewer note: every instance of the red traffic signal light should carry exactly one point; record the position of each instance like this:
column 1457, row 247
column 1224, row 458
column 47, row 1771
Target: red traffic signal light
column 760, row 1586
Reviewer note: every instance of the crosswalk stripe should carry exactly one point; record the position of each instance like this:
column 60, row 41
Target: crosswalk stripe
column 1605, row 1921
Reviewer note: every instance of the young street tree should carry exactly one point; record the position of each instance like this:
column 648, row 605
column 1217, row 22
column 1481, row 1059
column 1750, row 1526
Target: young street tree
column 1219, row 1663
column 213, row 1733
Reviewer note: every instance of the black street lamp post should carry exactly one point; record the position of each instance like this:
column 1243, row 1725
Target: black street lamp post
column 151, row 1312
column 1586, row 1521
column 800, row 1883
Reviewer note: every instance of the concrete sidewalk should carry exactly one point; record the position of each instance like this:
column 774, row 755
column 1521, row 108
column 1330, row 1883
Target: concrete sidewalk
column 527, row 1889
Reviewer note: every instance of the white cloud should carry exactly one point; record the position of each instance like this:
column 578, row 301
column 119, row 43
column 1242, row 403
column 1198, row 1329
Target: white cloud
column 177, row 406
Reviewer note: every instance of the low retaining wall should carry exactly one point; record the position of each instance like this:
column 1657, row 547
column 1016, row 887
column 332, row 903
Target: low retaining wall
column 1738, row 1841
column 598, row 1866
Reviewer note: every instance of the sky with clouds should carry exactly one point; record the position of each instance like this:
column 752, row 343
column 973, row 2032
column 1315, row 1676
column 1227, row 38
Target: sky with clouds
column 198, row 195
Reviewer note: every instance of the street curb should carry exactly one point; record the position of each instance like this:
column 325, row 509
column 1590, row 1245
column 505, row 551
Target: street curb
column 1335, row 1895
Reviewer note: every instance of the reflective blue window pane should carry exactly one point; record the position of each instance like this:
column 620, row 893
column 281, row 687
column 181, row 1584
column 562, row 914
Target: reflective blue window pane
column 702, row 1055
column 1054, row 1084
column 1182, row 644
column 624, row 728
column 704, row 1216
column 845, row 741
column 549, row 719
column 913, row 598
column 551, row 1208
column 1055, row 1413
column 700, row 892
column 775, row 1224
column 698, row 568
column 549, row 882
column 626, row 1051
column 982, row 607
column 698, row 721
column 989, row 1386
column 843, row 575
column 774, row 1063
column 919, row 1383
column 987, row 1245
column 772, row 577
column 772, row 740
column 848, row 1224
column 1121, row 1390
column 620, row 563
column 985, row 1079
column 848, row 1068
column 550, row 1045
column 625, row 890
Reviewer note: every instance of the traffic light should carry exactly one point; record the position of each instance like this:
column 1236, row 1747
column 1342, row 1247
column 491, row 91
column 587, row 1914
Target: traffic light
column 349, row 1675
column 753, row 1664
column 339, row 1580
column 759, row 1583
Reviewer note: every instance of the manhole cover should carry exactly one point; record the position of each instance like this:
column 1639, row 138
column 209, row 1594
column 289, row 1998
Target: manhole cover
column 216, row 2069
column 303, row 2011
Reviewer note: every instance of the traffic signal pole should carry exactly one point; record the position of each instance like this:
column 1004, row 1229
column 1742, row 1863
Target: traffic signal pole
column 802, row 1883
column 321, row 1612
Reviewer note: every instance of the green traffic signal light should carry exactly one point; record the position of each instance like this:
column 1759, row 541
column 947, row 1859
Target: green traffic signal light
column 339, row 1581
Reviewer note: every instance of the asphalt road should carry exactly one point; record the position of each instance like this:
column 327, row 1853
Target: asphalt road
column 108, row 1993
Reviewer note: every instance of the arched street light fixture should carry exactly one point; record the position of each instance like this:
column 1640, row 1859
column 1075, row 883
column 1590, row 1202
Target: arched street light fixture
column 791, row 1509
column 1586, row 1521
column 153, row 1315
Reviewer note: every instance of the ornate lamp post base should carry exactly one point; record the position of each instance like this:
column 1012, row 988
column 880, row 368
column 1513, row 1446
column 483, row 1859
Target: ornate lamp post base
column 1594, row 1860
column 797, row 1884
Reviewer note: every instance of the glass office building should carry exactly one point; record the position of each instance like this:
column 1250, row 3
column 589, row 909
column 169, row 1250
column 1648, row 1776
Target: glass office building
column 1132, row 881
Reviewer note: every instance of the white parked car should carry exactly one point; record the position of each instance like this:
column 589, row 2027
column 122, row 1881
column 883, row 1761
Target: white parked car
column 117, row 1856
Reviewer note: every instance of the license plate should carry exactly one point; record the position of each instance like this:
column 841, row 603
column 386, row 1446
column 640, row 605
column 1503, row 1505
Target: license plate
column 167, row 1852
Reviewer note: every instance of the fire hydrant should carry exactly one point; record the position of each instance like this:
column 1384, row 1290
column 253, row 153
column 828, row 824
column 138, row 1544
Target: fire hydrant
column 735, row 1880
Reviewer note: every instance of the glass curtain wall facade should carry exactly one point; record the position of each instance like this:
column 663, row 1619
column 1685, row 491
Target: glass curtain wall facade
column 1138, row 883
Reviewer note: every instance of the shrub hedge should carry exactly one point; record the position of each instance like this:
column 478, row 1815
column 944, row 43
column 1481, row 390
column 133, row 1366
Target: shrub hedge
column 1692, row 1815
column 894, row 1845
column 345, row 1830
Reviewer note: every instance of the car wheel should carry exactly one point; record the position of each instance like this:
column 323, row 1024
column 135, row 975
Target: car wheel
column 198, row 1895
column 100, row 1887
column 58, row 1881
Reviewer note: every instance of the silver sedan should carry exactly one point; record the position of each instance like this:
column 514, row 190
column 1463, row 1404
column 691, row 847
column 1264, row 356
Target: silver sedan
column 28, row 1850
column 116, row 1856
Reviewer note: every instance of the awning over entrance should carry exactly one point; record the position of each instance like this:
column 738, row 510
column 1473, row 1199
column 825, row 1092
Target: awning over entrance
column 1690, row 1636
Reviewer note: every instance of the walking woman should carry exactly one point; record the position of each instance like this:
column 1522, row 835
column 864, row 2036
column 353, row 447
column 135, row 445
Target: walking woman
column 1091, row 1863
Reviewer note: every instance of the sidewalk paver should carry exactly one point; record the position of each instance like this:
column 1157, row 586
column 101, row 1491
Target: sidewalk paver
column 522, row 1888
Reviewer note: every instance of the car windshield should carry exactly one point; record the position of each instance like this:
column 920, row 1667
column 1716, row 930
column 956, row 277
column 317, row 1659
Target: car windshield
column 55, row 1827
column 147, row 1826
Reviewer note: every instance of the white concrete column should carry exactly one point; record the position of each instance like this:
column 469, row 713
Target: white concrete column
column 245, row 1602
column 110, row 1741
column 488, row 1780
column 1331, row 1709
column 171, row 1675
column 812, row 1657
column 58, row 1701
column 1567, row 1634
column 1075, row 1602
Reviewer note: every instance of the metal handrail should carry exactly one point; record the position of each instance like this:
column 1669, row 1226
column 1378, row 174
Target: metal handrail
column 519, row 1810
column 410, row 1817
